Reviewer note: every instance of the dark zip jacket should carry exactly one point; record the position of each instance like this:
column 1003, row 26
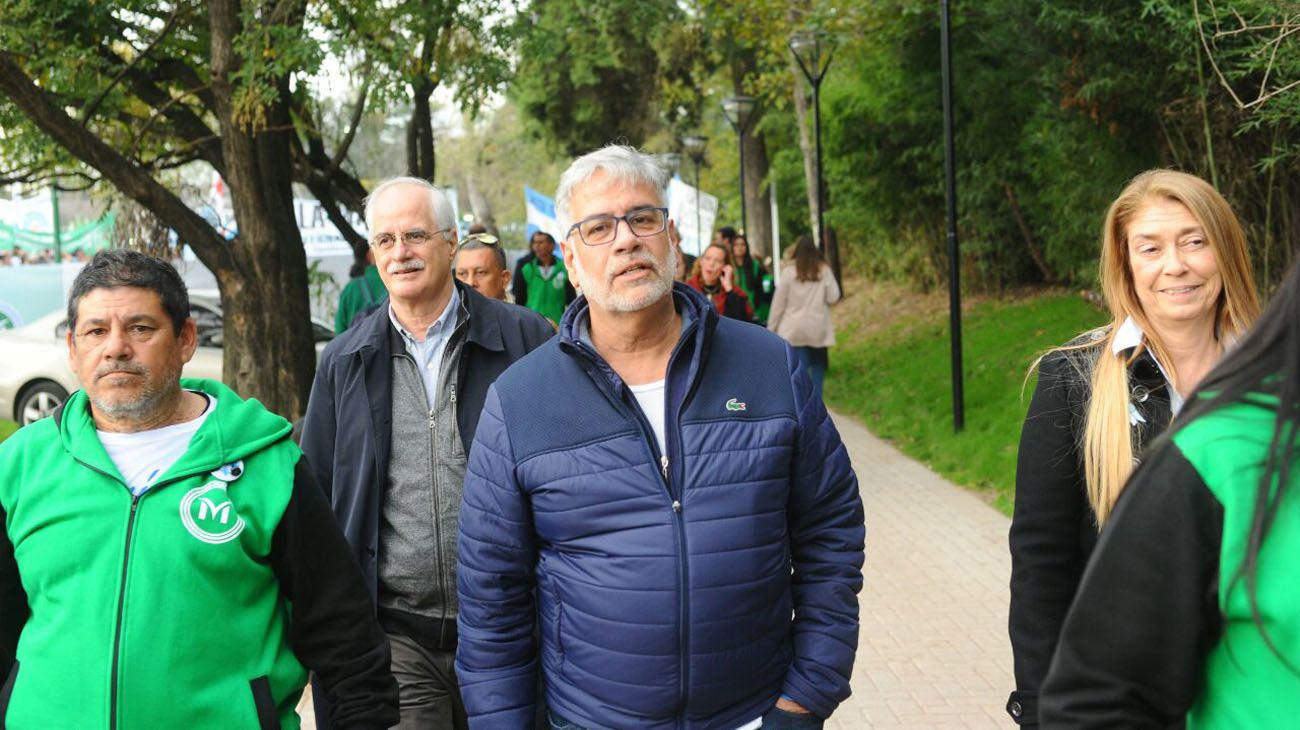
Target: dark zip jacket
column 662, row 585
column 1054, row 530
column 1162, row 627
column 347, row 431
column 200, row 604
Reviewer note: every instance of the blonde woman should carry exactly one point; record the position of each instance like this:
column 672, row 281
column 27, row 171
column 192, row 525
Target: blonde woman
column 1177, row 279
column 801, row 309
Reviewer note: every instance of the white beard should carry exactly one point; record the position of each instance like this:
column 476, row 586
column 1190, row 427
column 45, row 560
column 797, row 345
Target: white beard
column 642, row 294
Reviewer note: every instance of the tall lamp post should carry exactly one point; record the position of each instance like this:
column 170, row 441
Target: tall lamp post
column 807, row 49
column 694, row 146
column 950, row 182
column 739, row 111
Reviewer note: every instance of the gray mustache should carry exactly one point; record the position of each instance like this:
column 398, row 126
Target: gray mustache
column 401, row 267
column 129, row 368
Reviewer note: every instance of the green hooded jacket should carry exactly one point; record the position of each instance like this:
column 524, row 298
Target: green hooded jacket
column 167, row 610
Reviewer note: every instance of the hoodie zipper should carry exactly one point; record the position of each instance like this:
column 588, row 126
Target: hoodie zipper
column 121, row 593
column 121, row 611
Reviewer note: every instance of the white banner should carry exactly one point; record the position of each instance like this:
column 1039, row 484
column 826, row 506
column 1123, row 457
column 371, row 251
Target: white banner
column 320, row 237
column 694, row 224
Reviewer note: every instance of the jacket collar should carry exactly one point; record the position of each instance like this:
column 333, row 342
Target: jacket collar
column 377, row 332
column 691, row 303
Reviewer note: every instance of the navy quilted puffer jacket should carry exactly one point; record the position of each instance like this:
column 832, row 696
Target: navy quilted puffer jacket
column 662, row 585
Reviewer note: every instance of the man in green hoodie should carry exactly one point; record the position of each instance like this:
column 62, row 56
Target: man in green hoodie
column 166, row 559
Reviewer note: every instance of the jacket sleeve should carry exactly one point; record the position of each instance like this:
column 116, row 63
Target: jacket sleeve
column 779, row 299
column 1051, row 506
column 319, row 426
column 518, row 285
column 333, row 629
column 1134, row 643
column 826, row 543
column 13, row 600
column 832, row 286
column 496, row 654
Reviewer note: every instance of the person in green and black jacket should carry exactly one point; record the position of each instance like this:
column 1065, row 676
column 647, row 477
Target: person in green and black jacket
column 1190, row 607
column 542, row 283
column 167, row 561
column 753, row 278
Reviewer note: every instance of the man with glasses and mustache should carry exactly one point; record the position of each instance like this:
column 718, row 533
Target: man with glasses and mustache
column 166, row 559
column 678, row 540
column 391, row 416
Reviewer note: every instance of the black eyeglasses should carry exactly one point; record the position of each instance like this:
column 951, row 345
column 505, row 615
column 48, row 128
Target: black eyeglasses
column 599, row 230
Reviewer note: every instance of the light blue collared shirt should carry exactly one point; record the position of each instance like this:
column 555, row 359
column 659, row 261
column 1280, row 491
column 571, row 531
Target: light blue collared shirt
column 428, row 354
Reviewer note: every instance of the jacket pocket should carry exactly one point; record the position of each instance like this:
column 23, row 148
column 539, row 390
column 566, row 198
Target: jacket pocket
column 268, row 716
column 7, row 691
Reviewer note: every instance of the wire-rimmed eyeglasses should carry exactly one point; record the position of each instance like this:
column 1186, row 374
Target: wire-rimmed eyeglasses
column 413, row 238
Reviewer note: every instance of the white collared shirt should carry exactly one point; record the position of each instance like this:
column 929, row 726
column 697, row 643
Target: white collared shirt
column 428, row 354
column 1130, row 335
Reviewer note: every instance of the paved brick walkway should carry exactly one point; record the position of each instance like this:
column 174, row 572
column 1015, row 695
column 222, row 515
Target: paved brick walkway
column 933, row 651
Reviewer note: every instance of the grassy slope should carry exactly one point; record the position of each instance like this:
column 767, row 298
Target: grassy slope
column 7, row 428
column 897, row 381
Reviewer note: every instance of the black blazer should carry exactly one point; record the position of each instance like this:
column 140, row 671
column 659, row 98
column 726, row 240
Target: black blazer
column 1053, row 529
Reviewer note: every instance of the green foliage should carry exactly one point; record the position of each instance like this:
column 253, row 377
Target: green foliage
column 898, row 383
column 588, row 72
column 7, row 429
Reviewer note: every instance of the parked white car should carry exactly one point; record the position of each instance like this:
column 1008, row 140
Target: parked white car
column 35, row 378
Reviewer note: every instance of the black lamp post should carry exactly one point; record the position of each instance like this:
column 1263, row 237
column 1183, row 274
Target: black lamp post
column 950, row 183
column 739, row 111
column 694, row 146
column 807, row 49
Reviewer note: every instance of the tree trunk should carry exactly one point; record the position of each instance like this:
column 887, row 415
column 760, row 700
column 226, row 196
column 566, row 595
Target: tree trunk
column 801, row 111
column 481, row 206
column 419, row 136
column 268, row 353
column 758, row 208
column 1027, row 233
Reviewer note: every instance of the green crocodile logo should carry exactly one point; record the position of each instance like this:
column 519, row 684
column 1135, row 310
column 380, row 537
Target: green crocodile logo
column 734, row 405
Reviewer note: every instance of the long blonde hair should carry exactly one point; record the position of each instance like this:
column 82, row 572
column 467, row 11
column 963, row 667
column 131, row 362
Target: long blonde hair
column 1108, row 449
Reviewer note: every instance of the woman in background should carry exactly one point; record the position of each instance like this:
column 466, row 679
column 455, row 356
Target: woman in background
column 1177, row 280
column 712, row 275
column 801, row 312
column 1191, row 606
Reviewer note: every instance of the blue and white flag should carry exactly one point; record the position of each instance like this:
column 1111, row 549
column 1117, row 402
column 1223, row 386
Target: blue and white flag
column 540, row 214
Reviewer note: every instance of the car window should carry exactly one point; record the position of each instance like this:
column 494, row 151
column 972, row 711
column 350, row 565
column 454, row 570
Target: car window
column 208, row 324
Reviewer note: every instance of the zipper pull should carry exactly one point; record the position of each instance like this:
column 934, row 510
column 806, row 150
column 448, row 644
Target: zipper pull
column 453, row 392
column 677, row 506
column 663, row 465
column 430, row 419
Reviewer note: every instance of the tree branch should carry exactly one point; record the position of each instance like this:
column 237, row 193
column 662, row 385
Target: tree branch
column 345, row 144
column 89, row 110
column 127, row 177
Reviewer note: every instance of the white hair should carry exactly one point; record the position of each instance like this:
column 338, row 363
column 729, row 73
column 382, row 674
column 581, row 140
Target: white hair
column 620, row 163
column 439, row 205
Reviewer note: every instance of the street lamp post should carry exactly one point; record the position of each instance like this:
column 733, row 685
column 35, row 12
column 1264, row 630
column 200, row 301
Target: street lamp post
column 694, row 146
column 807, row 49
column 739, row 111
column 950, row 183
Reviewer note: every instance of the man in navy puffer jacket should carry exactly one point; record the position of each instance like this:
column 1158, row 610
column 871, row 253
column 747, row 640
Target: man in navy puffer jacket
column 660, row 497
